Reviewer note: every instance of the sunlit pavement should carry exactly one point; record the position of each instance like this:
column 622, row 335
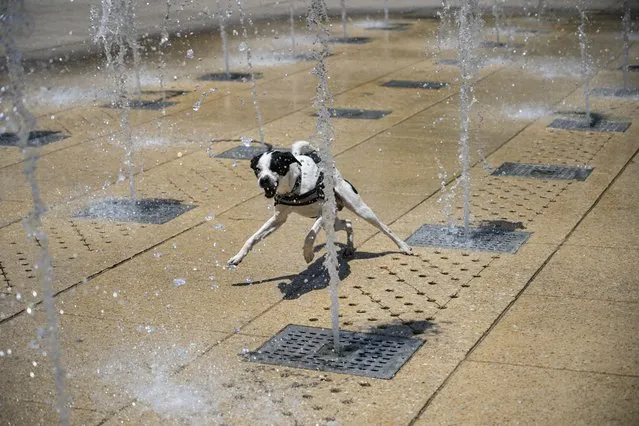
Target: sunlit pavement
column 155, row 328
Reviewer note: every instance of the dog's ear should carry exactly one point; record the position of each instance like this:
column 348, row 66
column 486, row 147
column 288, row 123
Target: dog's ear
column 254, row 161
column 281, row 162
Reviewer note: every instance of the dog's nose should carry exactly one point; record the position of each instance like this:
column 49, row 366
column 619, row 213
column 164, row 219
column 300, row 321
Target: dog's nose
column 264, row 182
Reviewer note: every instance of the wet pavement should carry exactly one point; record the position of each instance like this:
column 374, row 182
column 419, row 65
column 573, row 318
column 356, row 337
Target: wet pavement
column 155, row 329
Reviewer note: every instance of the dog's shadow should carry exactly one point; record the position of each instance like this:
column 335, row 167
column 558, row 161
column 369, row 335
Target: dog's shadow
column 315, row 276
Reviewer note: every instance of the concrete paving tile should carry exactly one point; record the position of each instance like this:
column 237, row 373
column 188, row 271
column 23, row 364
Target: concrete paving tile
column 33, row 413
column 576, row 334
column 600, row 273
column 223, row 388
column 612, row 227
column 106, row 362
column 491, row 393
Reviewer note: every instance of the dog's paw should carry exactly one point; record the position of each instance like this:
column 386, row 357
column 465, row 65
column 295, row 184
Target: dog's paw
column 309, row 254
column 406, row 249
column 348, row 252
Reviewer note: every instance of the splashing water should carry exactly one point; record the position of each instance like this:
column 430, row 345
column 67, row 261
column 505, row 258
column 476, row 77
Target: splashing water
column 386, row 13
column 244, row 46
column 626, row 41
column 221, row 16
column 12, row 21
column 497, row 14
column 292, row 10
column 318, row 22
column 445, row 28
column 586, row 62
column 344, row 30
column 470, row 24
column 116, row 34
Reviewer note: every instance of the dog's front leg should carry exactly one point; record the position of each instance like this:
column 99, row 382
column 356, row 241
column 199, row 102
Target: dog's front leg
column 309, row 241
column 268, row 228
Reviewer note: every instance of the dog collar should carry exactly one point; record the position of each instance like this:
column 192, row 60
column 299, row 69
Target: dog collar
column 309, row 197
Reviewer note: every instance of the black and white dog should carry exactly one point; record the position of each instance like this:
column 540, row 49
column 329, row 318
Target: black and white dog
column 295, row 181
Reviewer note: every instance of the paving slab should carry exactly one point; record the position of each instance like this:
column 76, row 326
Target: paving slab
column 500, row 393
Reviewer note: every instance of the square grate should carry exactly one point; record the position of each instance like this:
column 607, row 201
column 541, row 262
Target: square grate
column 631, row 68
column 242, row 77
column 397, row 26
column 153, row 100
column 499, row 45
column 358, row 114
column 454, row 62
column 36, row 138
column 490, row 239
column 154, row 211
column 311, row 348
column 544, row 171
column 244, row 152
column 612, row 92
column 349, row 40
column 413, row 84
column 598, row 124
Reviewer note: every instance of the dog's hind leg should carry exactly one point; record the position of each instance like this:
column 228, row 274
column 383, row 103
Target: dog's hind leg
column 346, row 225
column 267, row 229
column 354, row 203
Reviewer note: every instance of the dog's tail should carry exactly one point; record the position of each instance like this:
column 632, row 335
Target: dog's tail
column 302, row 148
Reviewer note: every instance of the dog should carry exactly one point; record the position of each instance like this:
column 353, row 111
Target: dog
column 295, row 182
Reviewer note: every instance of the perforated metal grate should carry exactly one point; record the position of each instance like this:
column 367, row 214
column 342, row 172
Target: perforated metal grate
column 358, row 114
column 543, row 171
column 612, row 92
column 488, row 239
column 413, row 84
column 362, row 354
column 632, row 68
column 499, row 45
column 454, row 62
column 244, row 152
column 154, row 100
column 242, row 77
column 36, row 138
column 350, row 40
column 151, row 210
column 397, row 26
column 596, row 125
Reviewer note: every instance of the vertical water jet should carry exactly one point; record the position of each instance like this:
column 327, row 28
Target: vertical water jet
column 318, row 22
column 586, row 68
column 12, row 22
column 469, row 21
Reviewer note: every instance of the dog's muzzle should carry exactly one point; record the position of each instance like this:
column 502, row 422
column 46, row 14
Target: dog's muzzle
column 268, row 186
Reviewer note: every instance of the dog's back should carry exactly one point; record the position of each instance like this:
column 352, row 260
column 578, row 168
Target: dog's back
column 303, row 148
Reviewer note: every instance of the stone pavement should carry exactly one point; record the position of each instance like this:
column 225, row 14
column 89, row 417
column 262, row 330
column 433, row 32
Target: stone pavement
column 154, row 327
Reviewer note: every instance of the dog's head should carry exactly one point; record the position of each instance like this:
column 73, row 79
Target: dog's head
column 270, row 167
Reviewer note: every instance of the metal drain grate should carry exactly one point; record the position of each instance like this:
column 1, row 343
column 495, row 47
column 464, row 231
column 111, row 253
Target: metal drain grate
column 151, row 210
column 358, row 114
column 499, row 45
column 454, row 62
column 489, row 239
column 413, row 84
column 36, row 138
column 230, row 76
column 153, row 100
column 398, row 26
column 543, row 171
column 597, row 125
column 363, row 354
column 631, row 68
column 349, row 40
column 611, row 92
column 244, row 152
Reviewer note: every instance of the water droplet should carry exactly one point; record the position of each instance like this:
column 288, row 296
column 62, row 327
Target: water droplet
column 115, row 294
column 189, row 54
column 243, row 46
column 196, row 105
column 245, row 351
column 219, row 227
column 248, row 280
column 178, row 282
column 209, row 217
column 246, row 141
column 157, row 255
